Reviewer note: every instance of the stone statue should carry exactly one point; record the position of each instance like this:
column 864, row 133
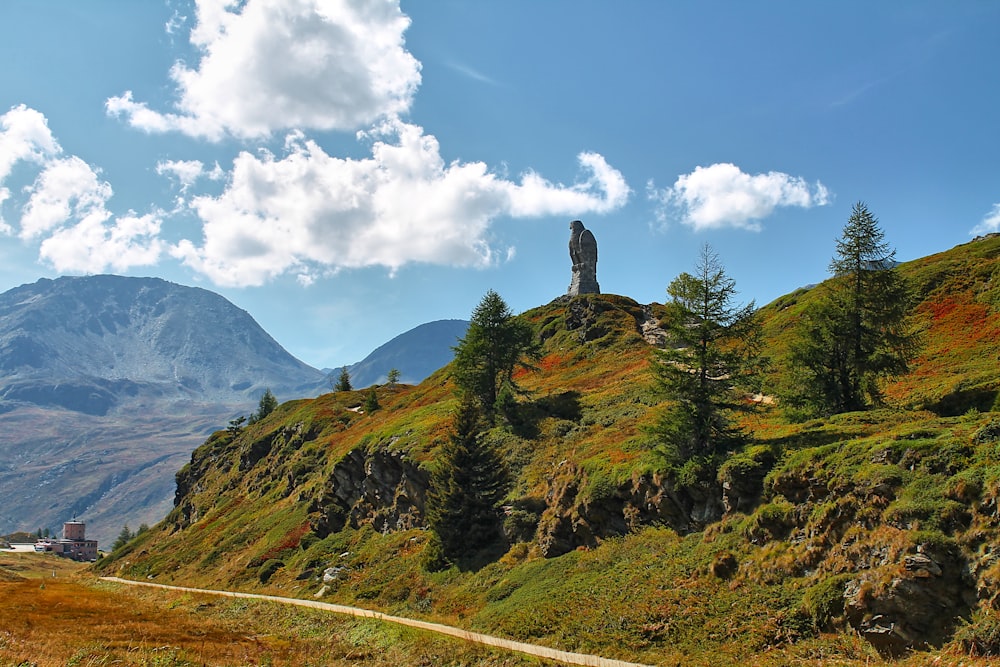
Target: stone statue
column 583, row 253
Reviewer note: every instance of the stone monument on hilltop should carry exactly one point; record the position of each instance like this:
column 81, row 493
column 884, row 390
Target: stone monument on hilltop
column 583, row 252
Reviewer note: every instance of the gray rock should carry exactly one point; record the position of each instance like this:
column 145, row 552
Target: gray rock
column 583, row 253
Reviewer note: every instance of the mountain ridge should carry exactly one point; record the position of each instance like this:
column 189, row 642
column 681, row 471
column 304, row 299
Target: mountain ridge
column 107, row 383
column 860, row 525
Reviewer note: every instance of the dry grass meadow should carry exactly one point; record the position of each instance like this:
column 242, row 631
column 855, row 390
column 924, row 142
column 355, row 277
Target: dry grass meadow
column 55, row 612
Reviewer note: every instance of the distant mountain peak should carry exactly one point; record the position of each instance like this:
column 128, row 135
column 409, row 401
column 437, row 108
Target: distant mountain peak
column 415, row 354
column 93, row 343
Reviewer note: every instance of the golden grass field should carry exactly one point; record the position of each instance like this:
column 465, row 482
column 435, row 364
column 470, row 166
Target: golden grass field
column 57, row 613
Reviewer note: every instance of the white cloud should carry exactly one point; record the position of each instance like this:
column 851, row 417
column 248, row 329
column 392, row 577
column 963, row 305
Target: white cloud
column 24, row 136
column 91, row 246
column 990, row 223
column 721, row 195
column 604, row 190
column 187, row 172
column 269, row 65
column 309, row 211
column 66, row 189
column 66, row 209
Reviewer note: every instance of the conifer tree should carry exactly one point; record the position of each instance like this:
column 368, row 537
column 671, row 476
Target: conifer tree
column 858, row 333
column 343, row 381
column 265, row 406
column 710, row 366
column 371, row 401
column 495, row 344
column 466, row 486
column 123, row 538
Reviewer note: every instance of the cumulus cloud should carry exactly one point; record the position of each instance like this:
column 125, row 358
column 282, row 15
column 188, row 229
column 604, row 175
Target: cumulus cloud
column 270, row 65
column 722, row 195
column 309, row 211
column 188, row 172
column 93, row 245
column 24, row 135
column 66, row 209
column 990, row 223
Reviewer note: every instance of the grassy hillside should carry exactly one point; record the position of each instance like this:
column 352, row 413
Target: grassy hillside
column 881, row 523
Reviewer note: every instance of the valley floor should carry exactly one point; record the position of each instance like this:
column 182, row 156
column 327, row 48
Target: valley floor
column 57, row 613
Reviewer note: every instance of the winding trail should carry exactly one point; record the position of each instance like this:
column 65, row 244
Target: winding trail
column 474, row 637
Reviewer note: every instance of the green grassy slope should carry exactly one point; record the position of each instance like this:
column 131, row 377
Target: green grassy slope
column 853, row 521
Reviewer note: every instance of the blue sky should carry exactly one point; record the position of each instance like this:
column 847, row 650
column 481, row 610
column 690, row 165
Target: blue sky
column 345, row 171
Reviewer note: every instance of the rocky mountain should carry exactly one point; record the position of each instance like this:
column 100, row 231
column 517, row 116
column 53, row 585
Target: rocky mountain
column 102, row 343
column 879, row 524
column 415, row 354
column 106, row 385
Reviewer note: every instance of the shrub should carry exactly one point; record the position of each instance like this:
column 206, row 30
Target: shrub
column 987, row 433
column 433, row 558
column 824, row 601
column 769, row 522
column 981, row 637
column 268, row 569
column 724, row 565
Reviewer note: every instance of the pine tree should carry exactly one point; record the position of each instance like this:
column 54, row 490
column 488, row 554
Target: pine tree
column 392, row 379
column 236, row 425
column 266, row 405
column 494, row 345
column 123, row 538
column 858, row 333
column 710, row 367
column 371, row 401
column 466, row 486
column 343, row 381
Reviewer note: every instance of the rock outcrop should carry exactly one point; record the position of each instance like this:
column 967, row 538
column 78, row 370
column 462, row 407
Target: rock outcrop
column 913, row 603
column 381, row 488
column 583, row 253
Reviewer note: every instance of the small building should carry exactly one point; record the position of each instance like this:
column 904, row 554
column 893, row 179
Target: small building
column 73, row 544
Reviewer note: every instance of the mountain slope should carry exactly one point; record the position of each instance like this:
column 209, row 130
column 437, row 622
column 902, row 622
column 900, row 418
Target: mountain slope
column 415, row 354
column 106, row 385
column 877, row 524
column 93, row 344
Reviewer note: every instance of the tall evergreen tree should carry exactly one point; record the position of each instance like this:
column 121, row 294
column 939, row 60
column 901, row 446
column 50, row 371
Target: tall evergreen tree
column 858, row 333
column 371, row 401
column 123, row 538
column 265, row 406
column 495, row 344
column 709, row 367
column 466, row 486
column 343, row 381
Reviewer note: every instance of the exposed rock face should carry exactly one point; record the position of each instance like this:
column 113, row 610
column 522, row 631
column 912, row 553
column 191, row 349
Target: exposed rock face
column 570, row 520
column 380, row 488
column 910, row 604
column 583, row 253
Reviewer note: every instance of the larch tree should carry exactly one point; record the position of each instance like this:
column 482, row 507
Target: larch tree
column 343, row 382
column 709, row 367
column 859, row 332
column 265, row 406
column 495, row 344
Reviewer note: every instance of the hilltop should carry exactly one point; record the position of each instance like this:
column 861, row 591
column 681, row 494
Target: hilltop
column 874, row 525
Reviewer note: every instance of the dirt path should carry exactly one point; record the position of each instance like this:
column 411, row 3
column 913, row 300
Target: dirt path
column 474, row 637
